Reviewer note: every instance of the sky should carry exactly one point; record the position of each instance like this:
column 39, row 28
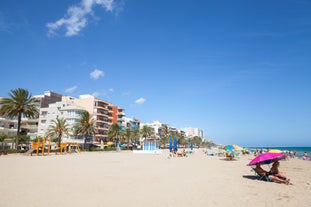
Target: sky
column 238, row 70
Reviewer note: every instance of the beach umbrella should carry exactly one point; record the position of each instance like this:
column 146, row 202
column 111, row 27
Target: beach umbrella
column 233, row 147
column 191, row 145
column 171, row 144
column 236, row 147
column 275, row 151
column 266, row 158
column 229, row 148
column 175, row 144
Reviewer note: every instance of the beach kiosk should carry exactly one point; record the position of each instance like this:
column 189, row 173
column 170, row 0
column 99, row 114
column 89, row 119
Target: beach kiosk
column 149, row 147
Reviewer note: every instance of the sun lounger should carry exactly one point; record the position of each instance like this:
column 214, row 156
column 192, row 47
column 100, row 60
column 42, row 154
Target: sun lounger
column 262, row 177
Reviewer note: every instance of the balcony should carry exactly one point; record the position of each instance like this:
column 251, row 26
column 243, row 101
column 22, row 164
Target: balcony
column 30, row 126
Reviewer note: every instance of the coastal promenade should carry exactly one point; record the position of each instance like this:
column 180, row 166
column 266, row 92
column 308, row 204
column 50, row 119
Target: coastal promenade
column 146, row 180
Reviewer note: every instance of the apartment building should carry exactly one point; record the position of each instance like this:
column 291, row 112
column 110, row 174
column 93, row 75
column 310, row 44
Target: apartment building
column 131, row 123
column 65, row 109
column 193, row 132
column 103, row 112
column 29, row 127
column 70, row 108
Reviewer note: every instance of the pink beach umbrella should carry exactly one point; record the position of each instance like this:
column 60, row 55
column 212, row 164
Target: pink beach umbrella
column 266, row 158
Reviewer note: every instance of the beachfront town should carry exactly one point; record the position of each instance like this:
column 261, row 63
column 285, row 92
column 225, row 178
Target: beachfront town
column 54, row 106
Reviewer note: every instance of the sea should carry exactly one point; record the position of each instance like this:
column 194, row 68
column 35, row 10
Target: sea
column 299, row 150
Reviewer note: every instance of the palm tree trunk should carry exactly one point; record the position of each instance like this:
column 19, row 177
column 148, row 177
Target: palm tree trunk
column 59, row 140
column 84, row 145
column 19, row 120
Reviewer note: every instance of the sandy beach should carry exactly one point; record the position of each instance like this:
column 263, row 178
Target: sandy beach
column 127, row 179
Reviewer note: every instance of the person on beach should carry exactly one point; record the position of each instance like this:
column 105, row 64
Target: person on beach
column 305, row 156
column 263, row 172
column 275, row 171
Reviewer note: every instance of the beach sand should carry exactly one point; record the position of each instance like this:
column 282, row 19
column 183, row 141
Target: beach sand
column 128, row 179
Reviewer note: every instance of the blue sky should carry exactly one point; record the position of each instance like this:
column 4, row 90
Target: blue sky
column 239, row 70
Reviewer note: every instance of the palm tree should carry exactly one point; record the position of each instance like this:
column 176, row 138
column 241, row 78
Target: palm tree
column 58, row 128
column 146, row 131
column 197, row 141
column 2, row 138
column 182, row 139
column 85, row 127
column 135, row 134
column 20, row 103
column 164, row 134
column 128, row 135
column 113, row 133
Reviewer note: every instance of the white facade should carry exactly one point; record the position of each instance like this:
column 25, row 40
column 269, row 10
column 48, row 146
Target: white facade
column 188, row 132
column 129, row 122
column 65, row 109
column 156, row 125
column 193, row 132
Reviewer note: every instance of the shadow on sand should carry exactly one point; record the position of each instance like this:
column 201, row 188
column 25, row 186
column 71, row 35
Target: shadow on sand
column 226, row 159
column 251, row 177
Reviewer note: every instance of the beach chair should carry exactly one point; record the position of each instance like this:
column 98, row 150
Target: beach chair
column 229, row 156
column 261, row 177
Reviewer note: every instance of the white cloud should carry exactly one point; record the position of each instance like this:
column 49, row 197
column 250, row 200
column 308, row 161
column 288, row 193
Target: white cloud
column 71, row 89
column 140, row 101
column 111, row 90
column 77, row 16
column 96, row 74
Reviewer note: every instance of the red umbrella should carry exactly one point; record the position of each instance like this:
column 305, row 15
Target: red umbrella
column 266, row 158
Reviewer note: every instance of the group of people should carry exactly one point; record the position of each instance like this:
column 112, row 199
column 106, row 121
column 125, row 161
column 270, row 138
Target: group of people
column 178, row 154
column 274, row 173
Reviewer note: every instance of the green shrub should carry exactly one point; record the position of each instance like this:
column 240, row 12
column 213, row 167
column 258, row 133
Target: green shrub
column 12, row 151
column 97, row 149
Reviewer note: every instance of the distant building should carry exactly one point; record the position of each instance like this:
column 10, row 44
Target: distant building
column 131, row 123
column 157, row 126
column 193, row 132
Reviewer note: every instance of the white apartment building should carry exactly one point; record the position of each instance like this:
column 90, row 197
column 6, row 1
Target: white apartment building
column 187, row 132
column 157, row 126
column 66, row 109
column 131, row 123
column 193, row 132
